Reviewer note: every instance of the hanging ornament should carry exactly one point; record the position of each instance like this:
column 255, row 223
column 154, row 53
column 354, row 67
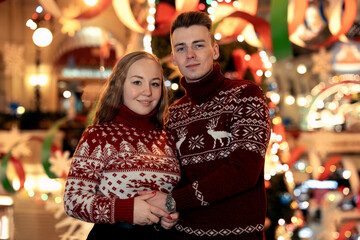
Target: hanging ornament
column 322, row 65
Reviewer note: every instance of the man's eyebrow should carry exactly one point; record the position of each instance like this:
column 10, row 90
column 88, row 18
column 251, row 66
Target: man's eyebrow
column 179, row 44
column 196, row 41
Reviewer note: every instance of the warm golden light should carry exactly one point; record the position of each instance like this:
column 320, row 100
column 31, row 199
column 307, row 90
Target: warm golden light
column 42, row 37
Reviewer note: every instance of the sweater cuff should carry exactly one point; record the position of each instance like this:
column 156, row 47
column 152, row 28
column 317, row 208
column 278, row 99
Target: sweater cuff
column 184, row 198
column 124, row 210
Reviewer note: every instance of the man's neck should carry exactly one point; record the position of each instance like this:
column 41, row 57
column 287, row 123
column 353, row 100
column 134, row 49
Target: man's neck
column 197, row 80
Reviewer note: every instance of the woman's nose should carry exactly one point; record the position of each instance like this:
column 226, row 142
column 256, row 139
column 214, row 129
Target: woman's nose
column 147, row 90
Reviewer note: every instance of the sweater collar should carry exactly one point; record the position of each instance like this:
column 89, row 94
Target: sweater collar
column 132, row 119
column 206, row 88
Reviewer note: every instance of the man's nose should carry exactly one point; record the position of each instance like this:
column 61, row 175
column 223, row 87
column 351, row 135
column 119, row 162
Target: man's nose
column 190, row 53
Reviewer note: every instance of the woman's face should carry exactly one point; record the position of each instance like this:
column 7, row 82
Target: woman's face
column 142, row 86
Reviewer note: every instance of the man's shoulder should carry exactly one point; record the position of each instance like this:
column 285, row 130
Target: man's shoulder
column 180, row 101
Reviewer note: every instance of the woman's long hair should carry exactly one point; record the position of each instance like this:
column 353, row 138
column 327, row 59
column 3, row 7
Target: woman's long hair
column 111, row 96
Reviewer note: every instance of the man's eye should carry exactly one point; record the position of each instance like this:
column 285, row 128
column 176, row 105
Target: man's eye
column 199, row 46
column 180, row 49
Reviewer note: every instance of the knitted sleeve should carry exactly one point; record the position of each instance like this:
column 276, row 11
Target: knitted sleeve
column 242, row 169
column 82, row 198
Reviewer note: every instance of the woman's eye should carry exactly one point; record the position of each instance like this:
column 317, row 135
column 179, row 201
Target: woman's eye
column 136, row 82
column 155, row 84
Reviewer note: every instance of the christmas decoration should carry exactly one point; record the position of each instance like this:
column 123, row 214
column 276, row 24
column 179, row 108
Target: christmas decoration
column 14, row 59
column 322, row 65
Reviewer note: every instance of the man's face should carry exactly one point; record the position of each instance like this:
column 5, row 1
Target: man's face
column 193, row 52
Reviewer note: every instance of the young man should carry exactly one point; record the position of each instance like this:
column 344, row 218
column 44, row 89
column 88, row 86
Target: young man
column 221, row 129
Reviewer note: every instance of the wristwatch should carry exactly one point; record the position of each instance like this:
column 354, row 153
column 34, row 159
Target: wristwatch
column 170, row 203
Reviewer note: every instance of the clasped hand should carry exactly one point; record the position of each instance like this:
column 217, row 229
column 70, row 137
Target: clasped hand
column 149, row 208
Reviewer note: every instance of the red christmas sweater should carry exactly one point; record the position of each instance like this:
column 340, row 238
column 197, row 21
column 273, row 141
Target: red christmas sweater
column 113, row 161
column 222, row 130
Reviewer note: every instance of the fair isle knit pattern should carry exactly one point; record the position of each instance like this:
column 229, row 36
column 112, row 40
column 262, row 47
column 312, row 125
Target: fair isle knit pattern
column 221, row 129
column 249, row 129
column 112, row 162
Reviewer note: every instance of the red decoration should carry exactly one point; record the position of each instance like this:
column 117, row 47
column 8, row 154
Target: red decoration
column 329, row 162
column 47, row 16
column 241, row 65
column 95, row 10
column 35, row 16
column 262, row 28
column 295, row 155
column 298, row 15
column 347, row 226
column 348, row 19
column 165, row 13
column 201, row 6
column 19, row 169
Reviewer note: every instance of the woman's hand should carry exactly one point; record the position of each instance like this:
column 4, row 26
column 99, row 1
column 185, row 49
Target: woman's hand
column 168, row 223
column 146, row 214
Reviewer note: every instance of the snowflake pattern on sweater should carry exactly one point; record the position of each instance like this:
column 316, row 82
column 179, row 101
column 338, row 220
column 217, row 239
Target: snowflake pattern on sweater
column 221, row 129
column 114, row 161
column 247, row 129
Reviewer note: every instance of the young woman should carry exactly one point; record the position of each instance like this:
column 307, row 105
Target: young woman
column 126, row 150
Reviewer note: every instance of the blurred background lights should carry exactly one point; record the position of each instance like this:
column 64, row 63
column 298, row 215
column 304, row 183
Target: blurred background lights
column 301, row 69
column 31, row 24
column 346, row 174
column 275, row 97
column 320, row 104
column 167, row 83
column 20, row 110
column 39, row 9
column 290, row 100
column 305, row 233
column 218, row 36
column 259, row 73
column 281, row 221
column 42, row 37
column 174, row 86
column 301, row 101
column 240, row 38
column 66, row 94
column 40, row 79
column 90, row 2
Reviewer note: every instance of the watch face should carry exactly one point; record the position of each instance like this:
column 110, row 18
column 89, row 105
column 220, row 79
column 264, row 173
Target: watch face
column 170, row 203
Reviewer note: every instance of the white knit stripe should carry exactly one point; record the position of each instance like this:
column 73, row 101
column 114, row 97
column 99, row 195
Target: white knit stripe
column 199, row 195
column 223, row 232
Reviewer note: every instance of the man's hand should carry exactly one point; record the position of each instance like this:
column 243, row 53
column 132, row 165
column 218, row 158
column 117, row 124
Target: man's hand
column 169, row 223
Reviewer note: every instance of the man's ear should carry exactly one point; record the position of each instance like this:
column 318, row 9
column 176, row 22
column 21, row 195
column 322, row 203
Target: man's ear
column 216, row 52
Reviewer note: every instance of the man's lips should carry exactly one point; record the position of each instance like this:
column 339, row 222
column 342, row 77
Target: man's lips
column 193, row 65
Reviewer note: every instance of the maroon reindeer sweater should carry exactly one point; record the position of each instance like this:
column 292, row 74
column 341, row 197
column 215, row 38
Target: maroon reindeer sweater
column 113, row 161
column 221, row 129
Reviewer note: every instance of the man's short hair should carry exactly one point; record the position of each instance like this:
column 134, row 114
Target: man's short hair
column 191, row 18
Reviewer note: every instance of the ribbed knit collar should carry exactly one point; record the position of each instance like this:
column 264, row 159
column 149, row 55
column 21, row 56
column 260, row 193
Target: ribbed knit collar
column 132, row 119
column 206, row 88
